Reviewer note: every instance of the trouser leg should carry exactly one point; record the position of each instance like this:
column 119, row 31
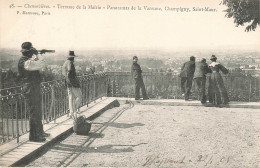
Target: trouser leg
column 203, row 90
column 71, row 99
column 34, row 103
column 137, row 89
column 77, row 97
column 183, row 82
column 201, row 83
column 188, row 88
column 199, row 86
column 143, row 89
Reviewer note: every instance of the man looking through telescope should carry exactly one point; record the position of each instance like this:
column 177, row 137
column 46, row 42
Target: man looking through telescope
column 28, row 68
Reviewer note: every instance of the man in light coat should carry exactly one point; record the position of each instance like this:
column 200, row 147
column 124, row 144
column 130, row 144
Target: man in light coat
column 73, row 85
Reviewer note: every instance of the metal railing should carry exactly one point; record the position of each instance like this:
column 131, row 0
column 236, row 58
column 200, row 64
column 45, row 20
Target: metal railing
column 14, row 114
column 167, row 85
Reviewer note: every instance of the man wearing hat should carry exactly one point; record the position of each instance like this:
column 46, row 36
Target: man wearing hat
column 73, row 85
column 201, row 69
column 136, row 72
column 187, row 72
column 29, row 74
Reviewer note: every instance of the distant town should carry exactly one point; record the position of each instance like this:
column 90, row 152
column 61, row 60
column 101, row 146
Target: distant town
column 94, row 61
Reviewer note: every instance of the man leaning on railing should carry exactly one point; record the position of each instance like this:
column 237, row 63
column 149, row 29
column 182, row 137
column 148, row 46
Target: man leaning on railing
column 29, row 75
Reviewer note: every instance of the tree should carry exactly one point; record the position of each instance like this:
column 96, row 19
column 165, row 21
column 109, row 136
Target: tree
column 243, row 11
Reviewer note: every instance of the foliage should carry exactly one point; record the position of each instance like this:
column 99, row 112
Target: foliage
column 243, row 11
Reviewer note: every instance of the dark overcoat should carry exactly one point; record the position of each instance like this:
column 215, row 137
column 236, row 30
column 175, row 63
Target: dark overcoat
column 201, row 69
column 136, row 71
column 187, row 69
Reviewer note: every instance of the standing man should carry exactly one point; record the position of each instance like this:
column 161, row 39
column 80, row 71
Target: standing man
column 29, row 74
column 136, row 72
column 73, row 85
column 201, row 69
column 187, row 72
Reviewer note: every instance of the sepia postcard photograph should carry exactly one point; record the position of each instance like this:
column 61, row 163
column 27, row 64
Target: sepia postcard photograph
column 130, row 83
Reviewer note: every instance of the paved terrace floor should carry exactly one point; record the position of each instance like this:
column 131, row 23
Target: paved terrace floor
column 151, row 133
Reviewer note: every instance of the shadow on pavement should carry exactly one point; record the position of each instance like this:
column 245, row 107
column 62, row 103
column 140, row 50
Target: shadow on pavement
column 95, row 135
column 120, row 125
column 98, row 149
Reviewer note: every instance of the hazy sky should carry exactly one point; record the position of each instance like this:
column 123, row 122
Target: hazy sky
column 122, row 29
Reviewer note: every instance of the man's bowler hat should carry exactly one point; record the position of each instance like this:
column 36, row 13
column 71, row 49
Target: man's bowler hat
column 26, row 46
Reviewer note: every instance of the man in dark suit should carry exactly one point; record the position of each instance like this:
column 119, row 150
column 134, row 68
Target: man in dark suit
column 187, row 72
column 28, row 68
column 136, row 72
column 201, row 69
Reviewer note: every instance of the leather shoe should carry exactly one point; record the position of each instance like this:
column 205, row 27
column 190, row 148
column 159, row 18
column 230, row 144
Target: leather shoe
column 46, row 134
column 209, row 105
column 40, row 139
